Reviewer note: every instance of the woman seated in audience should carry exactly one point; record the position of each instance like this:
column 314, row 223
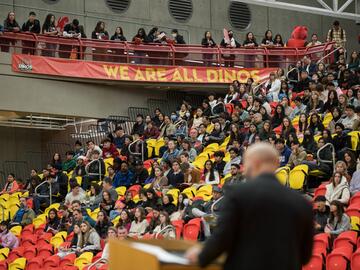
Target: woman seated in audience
column 107, row 203
column 331, row 102
column 167, row 204
column 11, row 185
column 7, row 238
column 338, row 221
column 165, row 230
column 349, row 159
column 250, row 136
column 216, row 136
column 338, row 189
column 302, row 126
column 102, row 224
column 309, row 143
column 95, row 196
column 186, row 147
column 125, row 220
column 341, row 167
column 139, row 224
column 286, row 104
column 316, row 126
column 56, row 162
column 343, row 102
column 278, row 116
column 315, row 105
column 111, row 234
column 159, row 181
column 64, row 251
column 266, row 132
column 210, row 175
column 336, row 118
column 154, row 221
column 232, row 94
column 287, row 128
column 89, row 239
column 326, row 134
column 53, row 222
column 32, row 182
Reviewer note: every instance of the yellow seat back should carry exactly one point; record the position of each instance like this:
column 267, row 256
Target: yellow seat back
column 18, row 264
column 355, row 223
column 282, row 175
column 121, row 191
column 297, row 176
column 4, row 253
column 16, row 230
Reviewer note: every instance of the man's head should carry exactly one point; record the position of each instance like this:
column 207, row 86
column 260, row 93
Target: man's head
column 106, row 143
column 23, row 203
column 90, row 145
column 304, row 75
column 78, row 145
column 184, row 157
column 107, row 183
column 119, row 132
column 339, row 128
column 139, row 118
column 320, row 202
column 32, row 16
column 122, row 233
column 76, row 205
column 219, row 155
column 314, row 38
column 280, row 144
column 234, row 169
column 69, row 155
column 260, row 158
column 295, row 146
column 171, row 145
column 216, row 192
column 95, row 154
column 75, row 188
column 233, row 153
column 336, row 25
column 298, row 101
column 78, row 217
column 350, row 111
column 306, row 60
column 257, row 118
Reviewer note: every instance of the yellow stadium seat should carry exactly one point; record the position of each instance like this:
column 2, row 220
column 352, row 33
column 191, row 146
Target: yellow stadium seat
column 327, row 119
column 4, row 253
column 25, row 194
column 175, row 194
column 205, row 192
column 227, row 157
column 18, row 264
column 317, row 137
column 295, row 121
column 54, row 205
column 4, row 197
column 108, row 162
column 159, row 143
column 16, row 230
column 355, row 223
column 213, row 147
column 58, row 239
column 136, row 198
column 190, row 192
column 200, row 160
column 16, row 195
column 227, row 139
column 225, row 178
column 4, row 204
column 151, row 144
column 121, row 191
column 13, row 200
column 116, row 220
column 354, row 139
column 282, row 175
column 13, row 209
column 78, row 180
column 147, row 186
column 297, row 176
column 83, row 260
column 39, row 220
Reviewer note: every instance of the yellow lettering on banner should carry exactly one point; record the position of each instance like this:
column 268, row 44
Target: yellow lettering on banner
column 255, row 75
column 186, row 76
column 177, row 76
column 230, row 76
column 212, row 75
column 150, row 74
column 161, row 74
column 124, row 73
column 139, row 76
column 195, row 75
column 111, row 71
column 243, row 75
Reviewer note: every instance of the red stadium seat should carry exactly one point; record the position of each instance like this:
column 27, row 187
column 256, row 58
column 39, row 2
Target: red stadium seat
column 316, row 263
column 355, row 199
column 3, row 265
column 29, row 252
column 149, row 216
column 35, row 263
column 97, row 257
column 353, row 210
column 27, row 230
column 15, row 253
column 338, row 259
column 135, row 189
column 45, row 250
column 28, row 240
column 346, row 237
column 40, row 230
column 179, row 225
column 69, row 237
column 44, row 239
column 229, row 108
column 192, row 229
column 355, row 260
column 52, row 261
column 68, row 260
column 319, row 191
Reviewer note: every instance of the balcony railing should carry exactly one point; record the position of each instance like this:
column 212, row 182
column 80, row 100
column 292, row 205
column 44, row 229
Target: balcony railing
column 159, row 54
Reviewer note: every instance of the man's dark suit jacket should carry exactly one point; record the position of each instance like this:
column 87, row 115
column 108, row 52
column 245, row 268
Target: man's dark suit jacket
column 263, row 225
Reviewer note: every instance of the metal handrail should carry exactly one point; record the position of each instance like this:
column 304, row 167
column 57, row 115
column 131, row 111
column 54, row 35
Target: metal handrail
column 287, row 169
column 333, row 154
column 96, row 262
column 88, row 165
column 330, row 53
column 44, row 196
column 142, row 149
column 167, row 227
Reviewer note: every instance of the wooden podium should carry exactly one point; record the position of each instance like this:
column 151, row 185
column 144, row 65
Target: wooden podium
column 124, row 256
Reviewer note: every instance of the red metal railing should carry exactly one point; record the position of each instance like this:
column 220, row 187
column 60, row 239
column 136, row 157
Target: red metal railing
column 159, row 54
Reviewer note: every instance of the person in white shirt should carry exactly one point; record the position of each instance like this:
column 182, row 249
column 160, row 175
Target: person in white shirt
column 273, row 86
column 314, row 41
column 338, row 189
column 211, row 176
column 76, row 193
column 234, row 159
column 351, row 121
column 139, row 225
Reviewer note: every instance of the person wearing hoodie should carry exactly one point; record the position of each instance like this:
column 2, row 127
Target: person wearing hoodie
column 297, row 154
column 284, row 151
column 109, row 149
column 124, row 177
column 7, row 238
column 89, row 239
column 321, row 214
column 338, row 189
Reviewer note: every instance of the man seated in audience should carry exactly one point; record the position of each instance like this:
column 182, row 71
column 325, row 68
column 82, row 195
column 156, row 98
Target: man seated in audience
column 299, row 108
column 123, row 177
column 107, row 185
column 234, row 159
column 321, row 214
column 122, row 233
column 140, row 173
column 351, row 121
column 308, row 66
column 11, row 185
column 355, row 183
column 78, row 218
column 25, row 215
column 119, row 138
column 209, row 211
column 167, row 128
column 303, row 83
column 139, row 125
column 109, row 149
column 79, row 150
column 235, row 177
column 284, row 151
column 175, row 175
column 76, row 193
column 151, row 131
column 43, row 198
column 191, row 174
column 70, row 163
column 219, row 163
column 298, row 154
column 341, row 140
column 172, row 152
column 95, row 170
column 91, row 147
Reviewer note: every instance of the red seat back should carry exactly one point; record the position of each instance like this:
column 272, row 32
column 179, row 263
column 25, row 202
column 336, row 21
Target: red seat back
column 15, row 253
column 316, row 263
column 355, row 260
column 29, row 252
column 68, row 260
column 179, row 225
column 191, row 230
column 34, row 263
column 52, row 261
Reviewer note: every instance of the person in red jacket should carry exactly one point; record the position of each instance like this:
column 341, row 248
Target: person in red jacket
column 109, row 149
column 151, row 131
column 11, row 185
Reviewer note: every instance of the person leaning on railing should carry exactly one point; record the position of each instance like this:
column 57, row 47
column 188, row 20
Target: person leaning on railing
column 10, row 25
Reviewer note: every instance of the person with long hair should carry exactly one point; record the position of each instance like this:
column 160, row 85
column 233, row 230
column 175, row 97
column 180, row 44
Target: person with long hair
column 338, row 189
column 216, row 136
column 100, row 33
column 208, row 42
column 139, row 224
column 308, row 142
column 160, row 180
column 118, row 54
column 273, row 87
column 343, row 102
column 7, row 238
column 140, row 38
column 354, row 61
column 10, row 25
column 331, row 102
column 316, row 126
column 350, row 160
column 52, row 222
column 266, row 131
column 338, row 221
column 326, row 135
column 251, row 135
column 56, row 161
column 341, row 167
column 279, row 115
column 89, row 239
column 250, row 42
column 336, row 118
column 315, row 104
column 232, row 94
column 11, row 185
column 168, row 204
column 110, row 234
column 107, row 203
column 125, row 219
column 210, row 176
column 165, row 230
column 235, row 135
column 102, row 224
column 287, row 128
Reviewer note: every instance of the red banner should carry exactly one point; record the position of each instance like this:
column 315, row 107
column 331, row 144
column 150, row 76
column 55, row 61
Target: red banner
column 129, row 72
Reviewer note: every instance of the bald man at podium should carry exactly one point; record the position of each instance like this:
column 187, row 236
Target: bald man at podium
column 263, row 225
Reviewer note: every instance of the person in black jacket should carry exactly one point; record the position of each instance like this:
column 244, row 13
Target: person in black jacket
column 208, row 42
column 95, row 169
column 168, row 205
column 140, row 173
column 102, row 224
column 139, row 126
column 178, row 40
column 341, row 140
column 255, row 230
column 32, row 25
column 72, row 30
column 10, row 25
column 118, row 36
column 321, row 214
column 229, row 44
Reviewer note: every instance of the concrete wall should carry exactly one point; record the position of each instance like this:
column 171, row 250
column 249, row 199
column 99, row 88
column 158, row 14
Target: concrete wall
column 207, row 15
